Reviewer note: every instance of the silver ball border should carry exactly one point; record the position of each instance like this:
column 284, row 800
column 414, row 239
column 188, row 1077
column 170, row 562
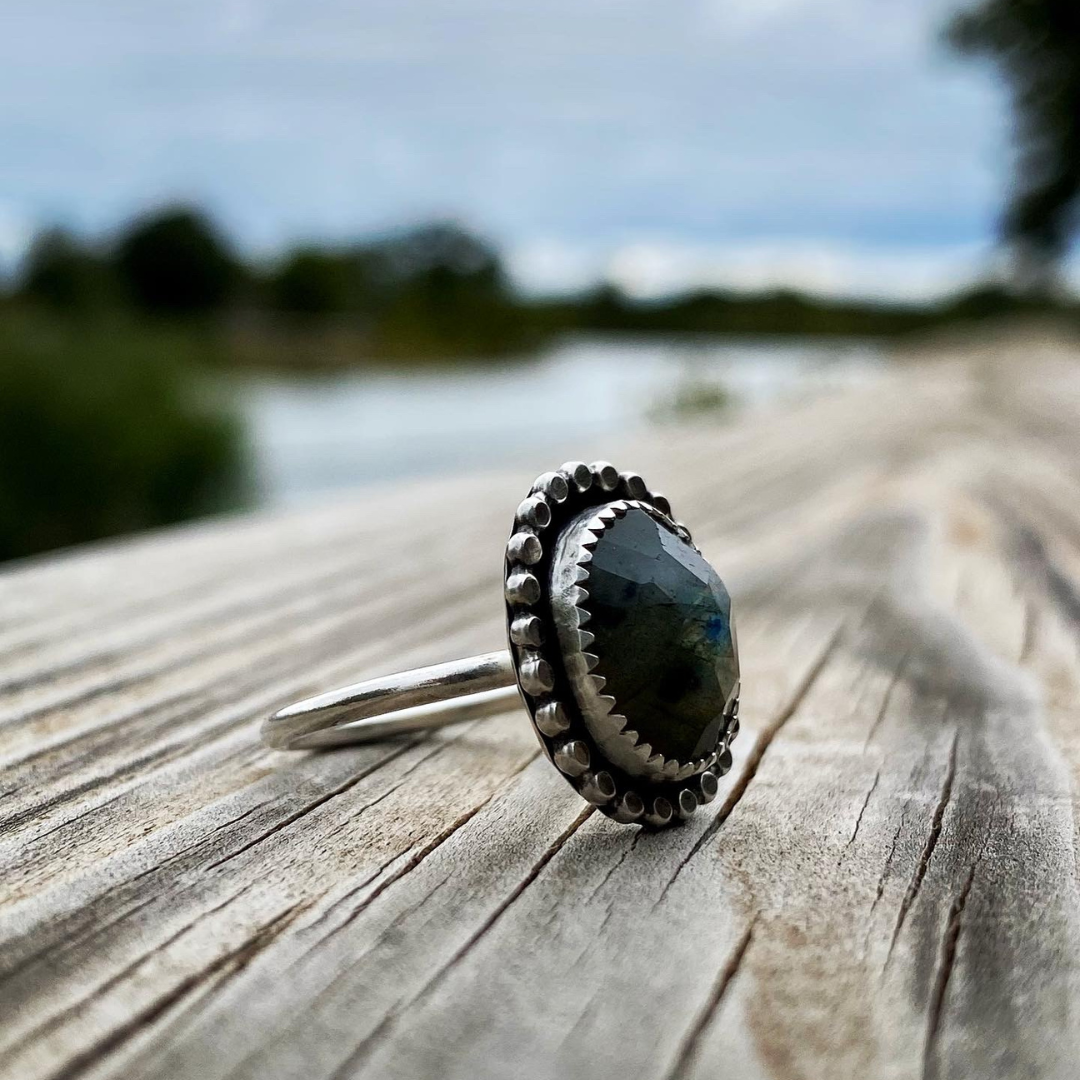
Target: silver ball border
column 554, row 499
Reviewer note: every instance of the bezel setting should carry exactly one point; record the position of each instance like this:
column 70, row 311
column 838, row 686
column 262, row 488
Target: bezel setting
column 580, row 727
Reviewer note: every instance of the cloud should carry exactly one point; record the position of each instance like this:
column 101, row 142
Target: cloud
column 740, row 138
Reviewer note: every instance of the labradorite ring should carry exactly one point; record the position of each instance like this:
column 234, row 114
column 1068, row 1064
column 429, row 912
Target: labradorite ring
column 621, row 644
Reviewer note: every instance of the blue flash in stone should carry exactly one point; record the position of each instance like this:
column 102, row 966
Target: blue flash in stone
column 661, row 618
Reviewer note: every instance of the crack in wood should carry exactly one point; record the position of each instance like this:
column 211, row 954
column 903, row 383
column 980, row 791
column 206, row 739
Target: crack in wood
column 368, row 1044
column 614, row 867
column 883, row 876
column 757, row 755
column 534, row 872
column 59, row 1019
column 86, row 934
column 333, row 793
column 919, row 874
column 413, row 861
column 226, row 965
column 886, row 701
column 691, row 1041
column 862, row 810
column 38, row 837
column 241, row 817
column 950, row 941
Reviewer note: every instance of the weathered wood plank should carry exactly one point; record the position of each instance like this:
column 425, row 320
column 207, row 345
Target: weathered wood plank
column 887, row 885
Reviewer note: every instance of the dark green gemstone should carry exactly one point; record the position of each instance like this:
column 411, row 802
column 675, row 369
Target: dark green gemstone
column 661, row 617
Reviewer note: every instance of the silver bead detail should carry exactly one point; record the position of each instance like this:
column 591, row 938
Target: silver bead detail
column 686, row 804
column 660, row 813
column 578, row 473
column 606, row 474
column 535, row 511
column 522, row 588
column 598, row 788
column 527, row 630
column 633, row 485
column 525, row 548
column 551, row 719
column 554, row 485
column 572, row 758
column 707, row 787
column 629, row 807
column 536, row 676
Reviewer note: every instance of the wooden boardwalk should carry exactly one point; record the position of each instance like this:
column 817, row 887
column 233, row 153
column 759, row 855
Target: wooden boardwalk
column 886, row 887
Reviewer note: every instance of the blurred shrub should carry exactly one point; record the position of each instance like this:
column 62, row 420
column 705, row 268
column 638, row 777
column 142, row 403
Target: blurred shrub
column 175, row 263
column 313, row 282
column 62, row 272
column 103, row 431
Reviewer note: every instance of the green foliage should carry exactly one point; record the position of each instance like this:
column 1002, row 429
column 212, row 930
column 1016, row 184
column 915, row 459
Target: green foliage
column 444, row 291
column 102, row 432
column 432, row 291
column 313, row 283
column 1035, row 45
column 175, row 263
column 775, row 313
column 63, row 273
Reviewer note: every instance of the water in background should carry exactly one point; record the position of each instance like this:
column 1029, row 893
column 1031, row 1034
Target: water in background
column 314, row 435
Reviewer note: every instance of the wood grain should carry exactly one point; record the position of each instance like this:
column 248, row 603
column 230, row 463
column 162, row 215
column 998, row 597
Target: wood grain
column 886, row 887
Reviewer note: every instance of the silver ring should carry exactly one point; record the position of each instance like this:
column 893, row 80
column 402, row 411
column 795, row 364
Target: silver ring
column 622, row 646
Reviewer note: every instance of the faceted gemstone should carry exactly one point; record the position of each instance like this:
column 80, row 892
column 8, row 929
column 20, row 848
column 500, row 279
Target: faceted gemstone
column 661, row 617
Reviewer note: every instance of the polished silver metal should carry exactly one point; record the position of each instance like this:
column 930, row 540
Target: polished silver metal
column 418, row 700
column 548, row 664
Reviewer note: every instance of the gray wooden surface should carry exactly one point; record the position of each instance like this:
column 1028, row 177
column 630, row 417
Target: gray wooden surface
column 886, row 886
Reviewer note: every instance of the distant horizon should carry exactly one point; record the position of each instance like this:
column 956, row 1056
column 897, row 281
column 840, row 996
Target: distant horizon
column 828, row 146
column 750, row 270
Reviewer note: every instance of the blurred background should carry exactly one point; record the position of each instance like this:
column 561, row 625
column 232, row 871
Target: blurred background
column 253, row 252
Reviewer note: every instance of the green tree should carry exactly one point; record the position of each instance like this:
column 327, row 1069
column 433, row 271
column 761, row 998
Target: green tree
column 314, row 282
column 442, row 290
column 64, row 273
column 175, row 263
column 1035, row 44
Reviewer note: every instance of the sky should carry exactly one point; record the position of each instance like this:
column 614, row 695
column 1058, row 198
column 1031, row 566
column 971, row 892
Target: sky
column 832, row 145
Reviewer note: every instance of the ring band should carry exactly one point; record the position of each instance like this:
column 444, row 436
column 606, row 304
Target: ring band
column 622, row 648
column 421, row 699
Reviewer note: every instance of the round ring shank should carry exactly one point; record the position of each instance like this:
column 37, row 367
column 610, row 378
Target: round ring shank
column 418, row 700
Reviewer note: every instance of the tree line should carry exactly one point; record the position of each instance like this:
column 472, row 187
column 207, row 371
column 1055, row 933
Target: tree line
column 433, row 290
column 432, row 287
